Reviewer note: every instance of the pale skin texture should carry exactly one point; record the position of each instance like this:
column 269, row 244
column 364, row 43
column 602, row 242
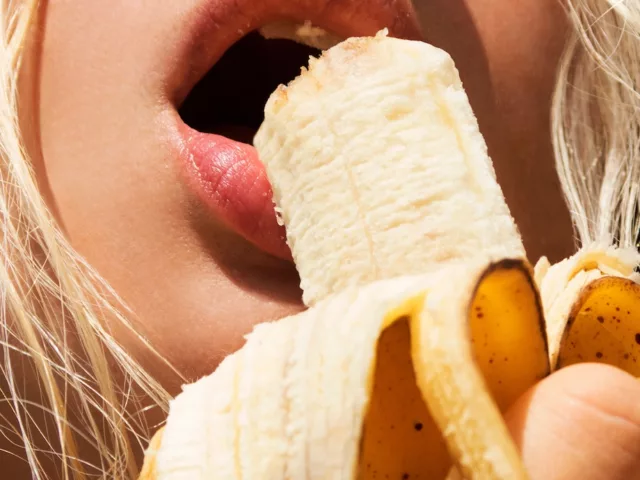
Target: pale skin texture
column 95, row 100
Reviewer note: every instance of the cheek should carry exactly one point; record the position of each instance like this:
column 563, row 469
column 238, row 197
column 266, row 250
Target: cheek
column 116, row 186
column 507, row 53
column 98, row 116
column 111, row 176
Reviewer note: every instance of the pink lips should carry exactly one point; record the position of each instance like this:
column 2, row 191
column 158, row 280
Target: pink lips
column 231, row 180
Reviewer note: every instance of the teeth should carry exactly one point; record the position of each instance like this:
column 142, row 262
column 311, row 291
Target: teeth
column 379, row 168
column 306, row 34
column 419, row 333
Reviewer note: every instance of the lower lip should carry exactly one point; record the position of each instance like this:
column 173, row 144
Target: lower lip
column 231, row 181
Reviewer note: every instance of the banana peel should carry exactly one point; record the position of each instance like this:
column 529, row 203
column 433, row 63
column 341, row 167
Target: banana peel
column 377, row 380
column 592, row 307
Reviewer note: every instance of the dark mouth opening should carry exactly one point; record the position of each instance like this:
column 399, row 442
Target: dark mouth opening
column 230, row 99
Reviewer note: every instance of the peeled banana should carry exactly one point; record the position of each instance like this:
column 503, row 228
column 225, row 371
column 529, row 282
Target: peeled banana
column 379, row 169
column 424, row 320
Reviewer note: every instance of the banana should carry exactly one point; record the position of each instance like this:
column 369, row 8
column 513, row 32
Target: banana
column 424, row 321
column 592, row 307
column 380, row 131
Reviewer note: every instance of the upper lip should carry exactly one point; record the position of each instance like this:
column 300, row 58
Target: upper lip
column 218, row 24
column 214, row 28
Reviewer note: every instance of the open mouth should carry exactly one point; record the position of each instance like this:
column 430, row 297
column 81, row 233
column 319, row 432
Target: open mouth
column 230, row 99
column 220, row 115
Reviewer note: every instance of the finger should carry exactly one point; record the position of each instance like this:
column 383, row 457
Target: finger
column 582, row 422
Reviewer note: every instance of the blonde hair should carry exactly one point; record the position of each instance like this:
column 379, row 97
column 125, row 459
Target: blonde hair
column 49, row 294
column 596, row 120
column 48, row 290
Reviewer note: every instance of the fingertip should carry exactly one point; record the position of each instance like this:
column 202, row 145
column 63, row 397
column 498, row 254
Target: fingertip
column 581, row 422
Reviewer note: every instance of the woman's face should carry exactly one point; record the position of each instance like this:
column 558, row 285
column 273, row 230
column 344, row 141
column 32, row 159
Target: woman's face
column 178, row 221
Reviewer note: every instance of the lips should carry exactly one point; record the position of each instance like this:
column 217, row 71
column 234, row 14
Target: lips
column 225, row 174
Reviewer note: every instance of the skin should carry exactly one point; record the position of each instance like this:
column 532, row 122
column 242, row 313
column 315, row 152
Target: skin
column 581, row 422
column 95, row 93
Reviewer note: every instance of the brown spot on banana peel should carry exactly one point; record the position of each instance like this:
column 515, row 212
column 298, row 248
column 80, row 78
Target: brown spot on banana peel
column 520, row 333
column 451, row 378
column 514, row 328
column 603, row 326
column 510, row 299
column 389, row 447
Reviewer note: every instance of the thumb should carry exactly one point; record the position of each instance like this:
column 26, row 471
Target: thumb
column 582, row 422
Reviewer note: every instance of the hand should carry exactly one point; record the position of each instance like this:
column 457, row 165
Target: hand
column 582, row 422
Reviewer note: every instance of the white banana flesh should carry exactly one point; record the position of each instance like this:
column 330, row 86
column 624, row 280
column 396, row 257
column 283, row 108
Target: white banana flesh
column 379, row 169
column 393, row 212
